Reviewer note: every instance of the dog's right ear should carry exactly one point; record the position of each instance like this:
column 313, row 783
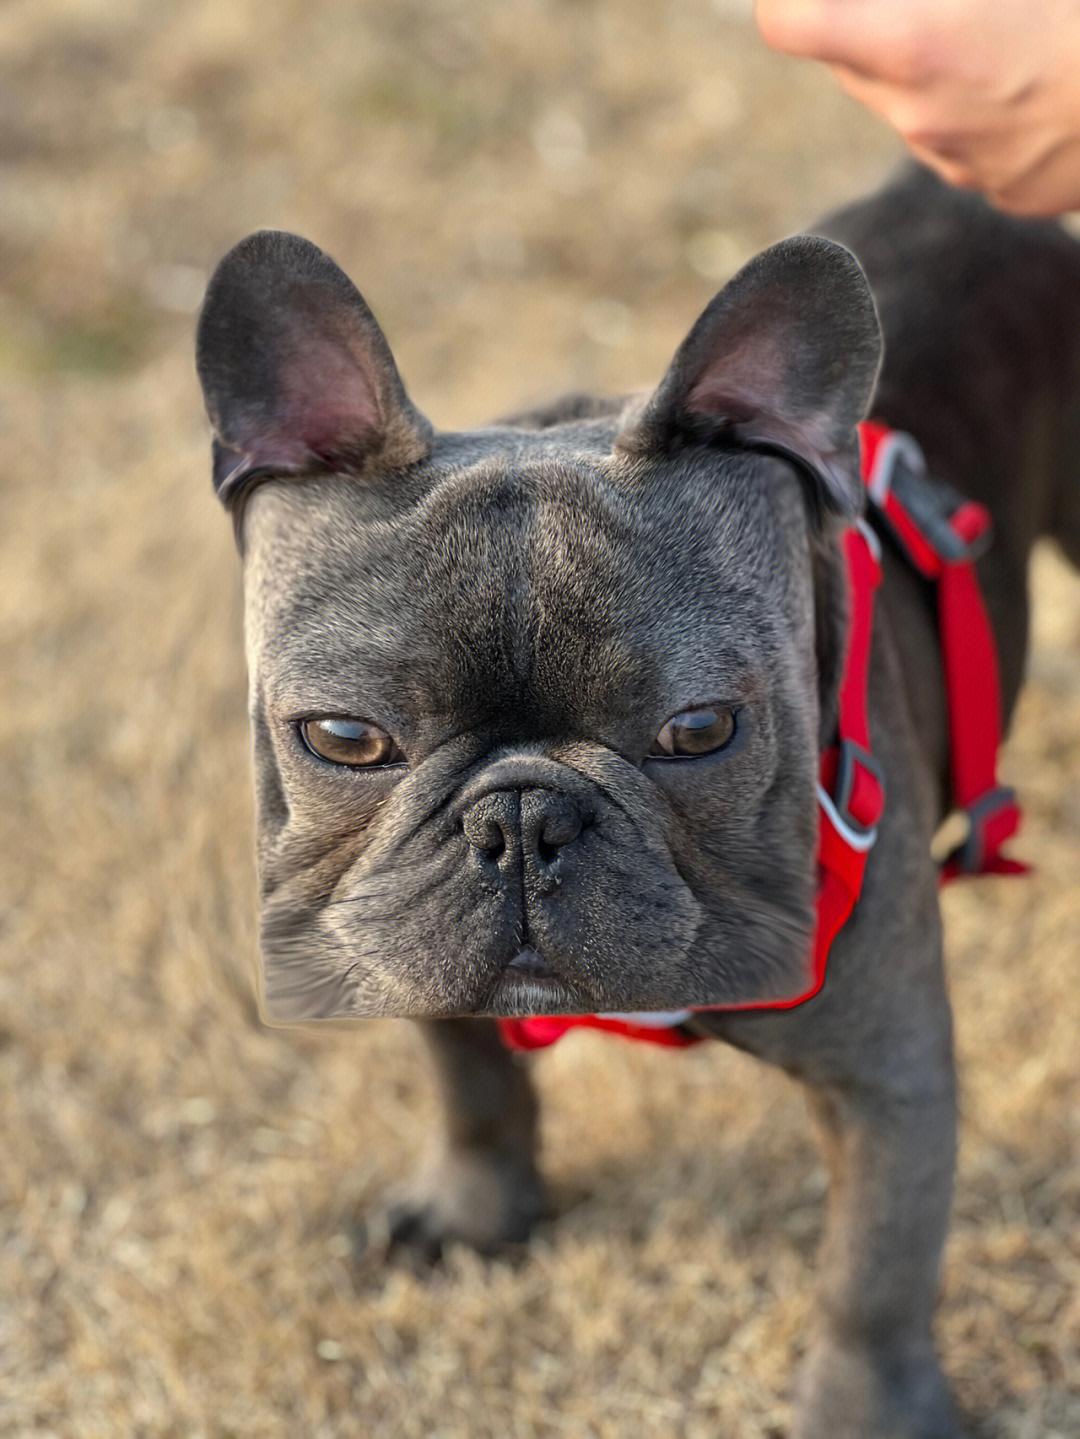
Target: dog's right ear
column 296, row 374
column 783, row 360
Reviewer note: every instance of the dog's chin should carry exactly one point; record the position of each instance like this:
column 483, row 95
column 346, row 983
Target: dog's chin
column 527, row 987
column 518, row 998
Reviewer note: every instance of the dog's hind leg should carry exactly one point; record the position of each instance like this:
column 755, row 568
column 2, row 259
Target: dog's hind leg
column 479, row 1184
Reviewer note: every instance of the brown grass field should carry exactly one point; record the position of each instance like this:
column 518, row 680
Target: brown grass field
column 534, row 196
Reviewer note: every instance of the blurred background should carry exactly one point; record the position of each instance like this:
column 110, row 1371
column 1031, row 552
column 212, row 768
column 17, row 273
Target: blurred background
column 533, row 196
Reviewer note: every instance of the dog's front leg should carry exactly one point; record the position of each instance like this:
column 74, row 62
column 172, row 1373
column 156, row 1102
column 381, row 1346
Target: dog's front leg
column 871, row 1372
column 479, row 1183
column 875, row 1052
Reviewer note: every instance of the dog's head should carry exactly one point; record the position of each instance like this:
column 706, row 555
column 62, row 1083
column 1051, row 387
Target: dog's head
column 537, row 709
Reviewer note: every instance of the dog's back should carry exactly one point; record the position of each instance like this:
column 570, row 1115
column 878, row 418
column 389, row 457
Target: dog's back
column 981, row 317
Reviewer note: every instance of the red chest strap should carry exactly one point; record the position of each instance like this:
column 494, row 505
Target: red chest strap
column 943, row 534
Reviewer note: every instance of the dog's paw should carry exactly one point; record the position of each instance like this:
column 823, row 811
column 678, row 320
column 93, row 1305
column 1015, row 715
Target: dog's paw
column 856, row 1392
column 489, row 1201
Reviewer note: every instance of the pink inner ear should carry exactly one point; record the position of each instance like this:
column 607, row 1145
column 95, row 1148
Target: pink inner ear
column 718, row 402
column 330, row 411
column 742, row 382
column 748, row 387
column 327, row 396
column 326, row 404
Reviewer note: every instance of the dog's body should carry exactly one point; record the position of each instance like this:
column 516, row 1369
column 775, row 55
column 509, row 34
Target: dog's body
column 518, row 616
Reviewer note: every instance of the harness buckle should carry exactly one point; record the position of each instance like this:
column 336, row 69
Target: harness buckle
column 925, row 515
column 855, row 800
column 991, row 820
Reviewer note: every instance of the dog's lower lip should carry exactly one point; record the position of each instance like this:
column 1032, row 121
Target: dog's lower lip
column 528, row 985
column 527, row 964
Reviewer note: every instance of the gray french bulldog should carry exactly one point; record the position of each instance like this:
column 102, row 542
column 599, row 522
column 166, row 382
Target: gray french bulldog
column 537, row 708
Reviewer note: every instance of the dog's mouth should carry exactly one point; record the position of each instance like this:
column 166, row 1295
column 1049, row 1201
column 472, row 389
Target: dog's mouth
column 528, row 985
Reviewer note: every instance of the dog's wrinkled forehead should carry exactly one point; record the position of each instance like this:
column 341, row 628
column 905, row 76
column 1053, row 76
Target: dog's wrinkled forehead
column 431, row 572
column 523, row 576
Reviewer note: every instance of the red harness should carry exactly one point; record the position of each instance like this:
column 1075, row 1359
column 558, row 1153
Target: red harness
column 942, row 535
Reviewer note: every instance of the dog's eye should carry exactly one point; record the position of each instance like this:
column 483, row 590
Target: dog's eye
column 696, row 731
column 356, row 743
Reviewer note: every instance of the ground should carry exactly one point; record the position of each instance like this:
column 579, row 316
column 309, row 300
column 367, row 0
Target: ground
column 533, row 197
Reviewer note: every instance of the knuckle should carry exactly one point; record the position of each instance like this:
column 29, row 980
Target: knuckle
column 916, row 55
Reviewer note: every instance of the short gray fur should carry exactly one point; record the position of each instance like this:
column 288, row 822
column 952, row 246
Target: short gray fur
column 524, row 607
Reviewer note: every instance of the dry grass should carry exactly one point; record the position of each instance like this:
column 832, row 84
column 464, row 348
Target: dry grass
column 534, row 196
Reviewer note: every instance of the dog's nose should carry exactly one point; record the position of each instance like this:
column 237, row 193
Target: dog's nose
column 533, row 823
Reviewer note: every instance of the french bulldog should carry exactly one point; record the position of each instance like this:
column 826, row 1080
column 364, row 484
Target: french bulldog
column 537, row 708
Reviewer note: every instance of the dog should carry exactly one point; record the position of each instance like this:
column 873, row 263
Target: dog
column 539, row 709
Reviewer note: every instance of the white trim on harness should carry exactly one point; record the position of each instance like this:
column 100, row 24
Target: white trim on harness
column 653, row 1018
column 852, row 837
column 895, row 446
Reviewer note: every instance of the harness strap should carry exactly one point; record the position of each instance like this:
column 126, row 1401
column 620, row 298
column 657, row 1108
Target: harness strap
column 943, row 534
column 851, row 788
column 537, row 1031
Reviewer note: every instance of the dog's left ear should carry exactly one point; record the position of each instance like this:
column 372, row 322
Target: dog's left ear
column 784, row 359
column 296, row 373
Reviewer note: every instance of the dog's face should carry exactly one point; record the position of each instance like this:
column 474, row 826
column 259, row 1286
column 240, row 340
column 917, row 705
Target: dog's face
column 536, row 710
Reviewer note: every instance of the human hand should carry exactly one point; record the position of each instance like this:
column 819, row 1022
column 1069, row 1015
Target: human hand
column 986, row 92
